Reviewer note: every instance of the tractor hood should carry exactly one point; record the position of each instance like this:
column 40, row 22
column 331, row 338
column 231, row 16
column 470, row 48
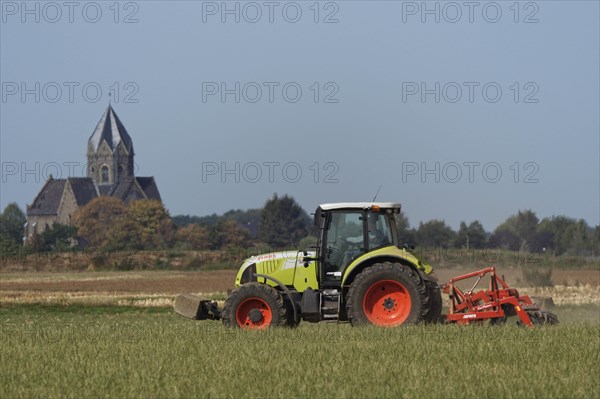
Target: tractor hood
column 280, row 265
column 272, row 257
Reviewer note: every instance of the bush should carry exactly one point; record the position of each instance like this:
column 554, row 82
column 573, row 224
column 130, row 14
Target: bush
column 194, row 263
column 124, row 264
column 100, row 259
column 162, row 264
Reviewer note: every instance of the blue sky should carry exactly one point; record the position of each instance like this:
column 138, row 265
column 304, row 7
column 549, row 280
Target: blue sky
column 490, row 109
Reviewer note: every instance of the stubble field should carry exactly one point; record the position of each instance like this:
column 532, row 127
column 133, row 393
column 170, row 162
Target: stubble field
column 114, row 335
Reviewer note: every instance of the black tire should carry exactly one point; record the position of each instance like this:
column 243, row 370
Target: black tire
column 256, row 300
column 366, row 286
column 434, row 304
column 550, row 317
column 540, row 318
column 509, row 311
column 543, row 317
column 289, row 315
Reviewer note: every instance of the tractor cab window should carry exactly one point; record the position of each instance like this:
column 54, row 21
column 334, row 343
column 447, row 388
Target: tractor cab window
column 344, row 242
column 378, row 230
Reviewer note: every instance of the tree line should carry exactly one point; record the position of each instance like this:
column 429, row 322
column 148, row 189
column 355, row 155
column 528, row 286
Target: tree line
column 108, row 224
column 558, row 235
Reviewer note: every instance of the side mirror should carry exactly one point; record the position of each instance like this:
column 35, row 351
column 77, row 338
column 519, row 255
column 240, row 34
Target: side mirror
column 307, row 259
column 408, row 246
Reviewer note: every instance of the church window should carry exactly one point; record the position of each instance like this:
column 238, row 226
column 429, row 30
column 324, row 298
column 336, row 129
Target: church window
column 104, row 174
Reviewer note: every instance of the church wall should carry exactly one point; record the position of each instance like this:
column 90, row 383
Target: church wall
column 67, row 207
column 39, row 223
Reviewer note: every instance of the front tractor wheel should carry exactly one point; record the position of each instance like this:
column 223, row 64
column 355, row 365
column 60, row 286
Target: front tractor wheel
column 386, row 295
column 254, row 306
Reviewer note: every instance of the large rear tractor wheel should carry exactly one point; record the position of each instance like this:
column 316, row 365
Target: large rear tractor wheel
column 386, row 295
column 254, row 306
column 434, row 304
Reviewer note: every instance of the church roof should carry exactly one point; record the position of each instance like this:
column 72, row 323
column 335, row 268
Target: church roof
column 112, row 131
column 135, row 189
column 84, row 189
column 149, row 186
column 105, row 189
column 48, row 199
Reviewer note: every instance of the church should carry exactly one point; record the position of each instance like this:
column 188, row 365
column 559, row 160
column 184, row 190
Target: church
column 110, row 172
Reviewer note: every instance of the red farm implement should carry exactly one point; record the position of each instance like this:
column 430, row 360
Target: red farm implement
column 493, row 304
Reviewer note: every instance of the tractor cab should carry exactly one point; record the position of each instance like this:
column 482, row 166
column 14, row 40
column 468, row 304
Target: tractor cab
column 348, row 231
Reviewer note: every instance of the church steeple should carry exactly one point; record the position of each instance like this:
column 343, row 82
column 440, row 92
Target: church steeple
column 110, row 151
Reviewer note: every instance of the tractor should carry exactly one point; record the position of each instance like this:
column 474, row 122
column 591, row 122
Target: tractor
column 358, row 272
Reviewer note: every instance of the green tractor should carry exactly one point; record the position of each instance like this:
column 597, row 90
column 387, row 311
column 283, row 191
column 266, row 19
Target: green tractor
column 357, row 272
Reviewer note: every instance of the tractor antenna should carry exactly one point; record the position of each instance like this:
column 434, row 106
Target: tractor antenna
column 377, row 193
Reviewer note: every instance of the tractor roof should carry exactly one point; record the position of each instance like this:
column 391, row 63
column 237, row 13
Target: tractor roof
column 358, row 205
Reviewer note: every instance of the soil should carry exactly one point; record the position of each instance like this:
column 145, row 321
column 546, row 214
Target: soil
column 158, row 282
column 121, row 282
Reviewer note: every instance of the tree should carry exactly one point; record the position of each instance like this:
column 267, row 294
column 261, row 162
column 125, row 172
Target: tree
column 107, row 223
column 97, row 220
column 308, row 242
column 185, row 220
column 126, row 235
column 435, row 233
column 229, row 234
column 558, row 228
column 523, row 225
column 406, row 235
column 476, row 235
column 193, row 236
column 155, row 228
column 283, row 222
column 580, row 243
column 505, row 238
column 462, row 236
column 12, row 223
column 526, row 225
column 542, row 241
column 250, row 219
column 8, row 247
column 59, row 236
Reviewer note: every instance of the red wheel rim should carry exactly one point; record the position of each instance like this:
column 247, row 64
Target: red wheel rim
column 387, row 303
column 253, row 313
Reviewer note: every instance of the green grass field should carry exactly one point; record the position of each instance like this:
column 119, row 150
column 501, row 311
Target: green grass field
column 84, row 351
